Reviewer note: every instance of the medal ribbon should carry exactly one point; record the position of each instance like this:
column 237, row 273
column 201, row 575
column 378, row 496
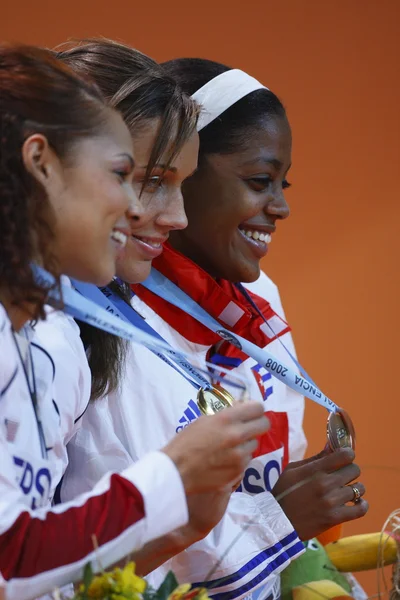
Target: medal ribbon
column 100, row 312
column 166, row 289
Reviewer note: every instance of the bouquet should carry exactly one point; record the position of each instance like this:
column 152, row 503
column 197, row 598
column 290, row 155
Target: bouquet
column 124, row 584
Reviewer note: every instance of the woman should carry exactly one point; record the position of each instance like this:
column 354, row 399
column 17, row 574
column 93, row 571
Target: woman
column 162, row 120
column 65, row 195
column 233, row 202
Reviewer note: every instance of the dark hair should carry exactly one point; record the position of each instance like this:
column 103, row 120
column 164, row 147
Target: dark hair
column 226, row 133
column 38, row 95
column 141, row 90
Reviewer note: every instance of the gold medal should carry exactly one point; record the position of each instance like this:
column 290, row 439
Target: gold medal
column 212, row 400
column 340, row 430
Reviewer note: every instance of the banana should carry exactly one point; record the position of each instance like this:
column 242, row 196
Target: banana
column 362, row 552
column 320, row 589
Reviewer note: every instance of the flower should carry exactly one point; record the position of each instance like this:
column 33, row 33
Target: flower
column 185, row 592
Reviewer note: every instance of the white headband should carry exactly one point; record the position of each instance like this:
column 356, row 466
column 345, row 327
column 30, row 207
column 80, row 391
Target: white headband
column 217, row 95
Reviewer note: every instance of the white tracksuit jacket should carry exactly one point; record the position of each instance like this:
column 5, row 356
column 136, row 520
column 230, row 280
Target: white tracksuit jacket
column 154, row 403
column 43, row 547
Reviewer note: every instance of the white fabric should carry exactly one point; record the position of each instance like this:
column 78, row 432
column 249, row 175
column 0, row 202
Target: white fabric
column 153, row 403
column 26, row 480
column 217, row 95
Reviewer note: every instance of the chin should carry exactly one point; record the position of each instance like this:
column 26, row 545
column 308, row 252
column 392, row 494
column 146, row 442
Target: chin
column 248, row 272
column 94, row 275
column 136, row 274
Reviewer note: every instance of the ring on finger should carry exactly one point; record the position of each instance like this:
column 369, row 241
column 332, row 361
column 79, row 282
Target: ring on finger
column 356, row 494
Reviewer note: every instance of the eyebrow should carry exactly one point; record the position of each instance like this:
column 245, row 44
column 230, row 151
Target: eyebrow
column 269, row 161
column 160, row 166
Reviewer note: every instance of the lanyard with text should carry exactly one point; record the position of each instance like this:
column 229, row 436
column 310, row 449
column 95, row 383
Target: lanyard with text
column 101, row 312
column 79, row 307
column 166, row 289
column 115, row 305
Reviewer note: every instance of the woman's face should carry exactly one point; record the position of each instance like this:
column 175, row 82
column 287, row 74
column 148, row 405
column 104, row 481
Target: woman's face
column 90, row 192
column 233, row 203
column 160, row 209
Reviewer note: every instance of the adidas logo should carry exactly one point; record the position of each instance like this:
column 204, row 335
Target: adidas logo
column 190, row 414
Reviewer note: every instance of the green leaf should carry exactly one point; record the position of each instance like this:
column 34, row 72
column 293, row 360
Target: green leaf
column 169, row 584
column 87, row 575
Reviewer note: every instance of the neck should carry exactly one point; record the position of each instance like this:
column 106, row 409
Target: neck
column 177, row 243
column 18, row 315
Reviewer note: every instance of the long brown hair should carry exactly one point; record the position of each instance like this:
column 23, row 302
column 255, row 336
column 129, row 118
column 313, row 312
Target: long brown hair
column 38, row 95
column 141, row 90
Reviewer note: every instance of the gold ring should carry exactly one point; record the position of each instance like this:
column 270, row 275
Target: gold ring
column 357, row 494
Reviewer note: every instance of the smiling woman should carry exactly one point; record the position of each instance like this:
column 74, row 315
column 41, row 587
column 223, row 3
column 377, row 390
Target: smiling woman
column 234, row 201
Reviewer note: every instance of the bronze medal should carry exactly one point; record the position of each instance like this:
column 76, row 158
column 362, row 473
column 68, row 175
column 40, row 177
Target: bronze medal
column 212, row 400
column 340, row 430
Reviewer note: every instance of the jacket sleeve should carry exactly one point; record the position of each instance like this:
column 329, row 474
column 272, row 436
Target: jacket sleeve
column 247, row 555
column 46, row 548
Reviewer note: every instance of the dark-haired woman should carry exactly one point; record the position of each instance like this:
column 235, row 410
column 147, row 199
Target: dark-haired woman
column 234, row 202
column 65, row 200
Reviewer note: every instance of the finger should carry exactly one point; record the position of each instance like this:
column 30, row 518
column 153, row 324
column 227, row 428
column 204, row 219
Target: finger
column 306, row 461
column 354, row 490
column 345, row 475
column 243, row 412
column 250, row 430
column 346, row 494
column 249, row 447
column 331, row 462
column 350, row 513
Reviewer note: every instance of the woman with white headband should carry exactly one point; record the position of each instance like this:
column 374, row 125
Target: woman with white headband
column 234, row 202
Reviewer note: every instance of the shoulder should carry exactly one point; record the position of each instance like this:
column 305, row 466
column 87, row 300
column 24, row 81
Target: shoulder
column 59, row 335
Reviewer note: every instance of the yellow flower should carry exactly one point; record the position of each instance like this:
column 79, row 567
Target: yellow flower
column 185, row 592
column 180, row 591
column 100, row 586
column 127, row 583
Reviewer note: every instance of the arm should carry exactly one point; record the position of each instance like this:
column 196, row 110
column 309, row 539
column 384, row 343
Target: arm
column 44, row 548
column 267, row 541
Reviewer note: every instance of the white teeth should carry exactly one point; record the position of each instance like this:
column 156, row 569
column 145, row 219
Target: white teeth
column 149, row 242
column 119, row 237
column 258, row 235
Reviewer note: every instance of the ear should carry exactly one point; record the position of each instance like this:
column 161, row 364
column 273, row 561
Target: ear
column 40, row 160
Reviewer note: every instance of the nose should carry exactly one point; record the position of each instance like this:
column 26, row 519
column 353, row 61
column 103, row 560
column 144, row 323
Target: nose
column 173, row 215
column 135, row 208
column 277, row 206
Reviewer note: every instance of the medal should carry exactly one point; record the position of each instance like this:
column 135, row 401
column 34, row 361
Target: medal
column 340, row 430
column 212, row 400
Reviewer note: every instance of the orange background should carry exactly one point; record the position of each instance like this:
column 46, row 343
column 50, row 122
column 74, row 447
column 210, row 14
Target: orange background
column 336, row 66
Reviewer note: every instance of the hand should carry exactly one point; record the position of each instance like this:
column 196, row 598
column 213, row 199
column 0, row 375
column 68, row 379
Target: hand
column 205, row 512
column 213, row 452
column 320, row 493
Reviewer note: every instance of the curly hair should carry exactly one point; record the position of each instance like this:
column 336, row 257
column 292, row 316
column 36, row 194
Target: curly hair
column 38, row 95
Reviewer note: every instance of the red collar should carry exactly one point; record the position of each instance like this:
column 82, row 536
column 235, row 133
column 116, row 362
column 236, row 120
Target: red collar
column 220, row 298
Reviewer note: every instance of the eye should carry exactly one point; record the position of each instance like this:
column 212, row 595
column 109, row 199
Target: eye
column 153, row 183
column 122, row 174
column 286, row 184
column 259, row 184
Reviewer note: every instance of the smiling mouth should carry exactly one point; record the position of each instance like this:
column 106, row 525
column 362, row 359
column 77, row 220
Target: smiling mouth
column 119, row 237
column 156, row 244
column 258, row 236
